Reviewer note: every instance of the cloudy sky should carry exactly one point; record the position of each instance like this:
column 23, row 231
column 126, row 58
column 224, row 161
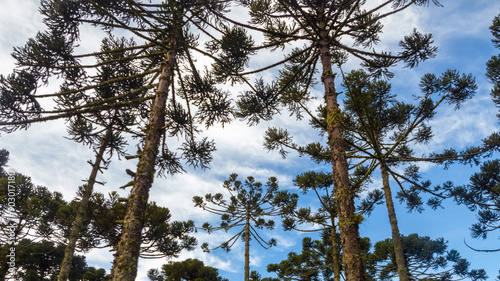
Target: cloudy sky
column 461, row 32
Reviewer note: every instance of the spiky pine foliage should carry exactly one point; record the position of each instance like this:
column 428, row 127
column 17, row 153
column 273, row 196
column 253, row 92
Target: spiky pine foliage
column 383, row 130
column 481, row 195
column 493, row 65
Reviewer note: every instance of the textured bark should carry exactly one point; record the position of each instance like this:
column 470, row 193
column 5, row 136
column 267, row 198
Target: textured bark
column 337, row 267
column 247, row 248
column 344, row 194
column 403, row 273
column 127, row 250
column 82, row 210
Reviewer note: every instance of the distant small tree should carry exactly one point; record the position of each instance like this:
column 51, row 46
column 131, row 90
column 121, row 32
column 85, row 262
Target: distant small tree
column 382, row 131
column 247, row 209
column 188, row 270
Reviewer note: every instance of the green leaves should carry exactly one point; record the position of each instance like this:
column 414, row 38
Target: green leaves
column 214, row 105
column 482, row 193
column 259, row 104
column 168, row 163
column 417, row 48
column 233, row 54
column 179, row 120
column 458, row 88
column 495, row 31
column 317, row 183
column 198, row 154
column 17, row 102
column 277, row 139
column 493, row 74
column 369, row 27
column 493, row 65
column 374, row 197
column 36, row 260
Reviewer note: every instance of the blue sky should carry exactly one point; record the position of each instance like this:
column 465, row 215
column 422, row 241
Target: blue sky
column 461, row 32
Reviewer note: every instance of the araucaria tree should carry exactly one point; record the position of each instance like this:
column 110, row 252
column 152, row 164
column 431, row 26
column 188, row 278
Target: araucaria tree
column 323, row 28
column 247, row 210
column 382, row 130
column 183, row 96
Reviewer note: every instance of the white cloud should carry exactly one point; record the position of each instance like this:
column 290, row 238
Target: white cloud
column 22, row 17
column 99, row 258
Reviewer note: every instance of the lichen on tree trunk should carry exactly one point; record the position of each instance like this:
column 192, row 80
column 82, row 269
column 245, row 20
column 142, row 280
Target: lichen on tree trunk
column 127, row 250
column 344, row 193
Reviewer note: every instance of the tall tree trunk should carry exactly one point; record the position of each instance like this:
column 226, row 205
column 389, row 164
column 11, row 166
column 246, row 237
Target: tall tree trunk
column 82, row 209
column 335, row 253
column 127, row 250
column 247, row 247
column 344, row 193
column 404, row 275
